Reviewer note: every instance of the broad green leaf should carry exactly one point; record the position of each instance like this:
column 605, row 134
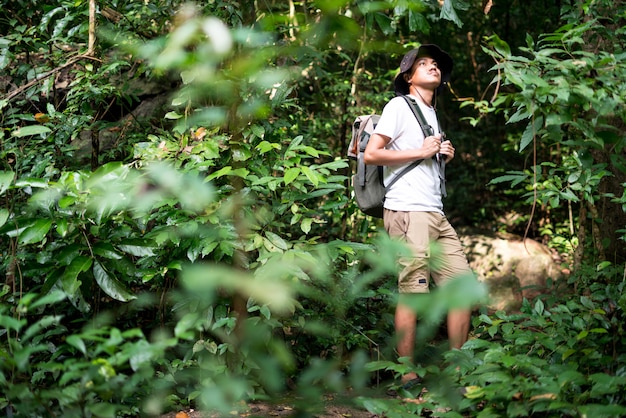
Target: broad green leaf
column 37, row 328
column 530, row 132
column 266, row 146
column 137, row 250
column 305, row 226
column 10, row 323
column 600, row 410
column 32, row 182
column 31, row 130
column 417, row 22
column 77, row 342
column 110, row 172
column 69, row 280
column 4, row 216
column 110, row 285
column 36, row 232
column 291, row 174
column 221, row 172
column 61, row 227
column 311, row 175
column 500, row 46
column 271, row 290
column 513, row 178
column 6, row 178
column 49, row 299
column 258, row 130
column 102, row 409
column 106, row 250
column 172, row 115
column 277, row 241
column 448, row 12
column 539, row 307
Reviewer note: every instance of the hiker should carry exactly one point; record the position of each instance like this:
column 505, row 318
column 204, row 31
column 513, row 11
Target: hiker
column 413, row 207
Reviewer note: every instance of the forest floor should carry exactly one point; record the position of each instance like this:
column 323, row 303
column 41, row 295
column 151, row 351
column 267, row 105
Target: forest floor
column 333, row 407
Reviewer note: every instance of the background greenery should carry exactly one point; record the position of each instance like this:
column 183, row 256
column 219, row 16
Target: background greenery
column 210, row 253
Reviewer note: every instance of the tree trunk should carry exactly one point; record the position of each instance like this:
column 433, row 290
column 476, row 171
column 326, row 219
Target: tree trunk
column 608, row 217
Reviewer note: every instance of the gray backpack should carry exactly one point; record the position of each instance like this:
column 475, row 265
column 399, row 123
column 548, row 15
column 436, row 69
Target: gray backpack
column 367, row 182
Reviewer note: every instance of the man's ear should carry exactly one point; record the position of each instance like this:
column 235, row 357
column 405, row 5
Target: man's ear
column 407, row 77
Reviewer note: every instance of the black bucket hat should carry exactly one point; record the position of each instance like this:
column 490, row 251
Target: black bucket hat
column 444, row 61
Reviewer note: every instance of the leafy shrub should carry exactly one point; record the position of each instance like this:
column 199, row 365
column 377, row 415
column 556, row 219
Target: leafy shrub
column 562, row 359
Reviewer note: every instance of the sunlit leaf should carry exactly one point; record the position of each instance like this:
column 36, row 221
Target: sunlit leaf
column 306, row 225
column 291, row 174
column 35, row 232
column 31, row 130
column 277, row 240
column 311, row 175
column 6, row 178
column 137, row 250
column 4, row 216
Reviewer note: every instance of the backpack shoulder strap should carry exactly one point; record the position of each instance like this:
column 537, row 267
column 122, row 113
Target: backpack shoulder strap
column 426, row 128
column 428, row 131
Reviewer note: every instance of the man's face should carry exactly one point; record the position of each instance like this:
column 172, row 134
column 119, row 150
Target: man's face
column 425, row 73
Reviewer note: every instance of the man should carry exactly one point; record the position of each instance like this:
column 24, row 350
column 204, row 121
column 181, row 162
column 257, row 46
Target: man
column 413, row 207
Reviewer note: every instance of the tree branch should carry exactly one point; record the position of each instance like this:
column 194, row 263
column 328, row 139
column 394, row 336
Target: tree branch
column 91, row 46
column 47, row 74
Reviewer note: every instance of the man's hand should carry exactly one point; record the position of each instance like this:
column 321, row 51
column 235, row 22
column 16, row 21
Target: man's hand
column 432, row 145
column 447, row 150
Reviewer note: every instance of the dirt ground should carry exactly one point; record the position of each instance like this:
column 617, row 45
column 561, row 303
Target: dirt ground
column 332, row 409
column 266, row 410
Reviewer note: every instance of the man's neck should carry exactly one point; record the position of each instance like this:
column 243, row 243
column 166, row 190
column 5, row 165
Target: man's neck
column 426, row 95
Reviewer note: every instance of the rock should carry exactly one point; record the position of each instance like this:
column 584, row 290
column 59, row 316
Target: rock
column 512, row 267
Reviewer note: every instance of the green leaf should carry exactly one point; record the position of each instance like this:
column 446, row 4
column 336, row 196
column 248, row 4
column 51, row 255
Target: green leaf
column 513, row 178
column 539, row 307
column 277, row 241
column 172, row 115
column 110, row 172
column 266, row 146
column 77, row 342
column 10, row 323
column 36, row 329
column 61, row 227
column 258, row 130
column 221, row 172
column 110, row 285
column 384, row 22
column 530, row 132
column 69, row 280
column 31, row 130
column 599, row 410
column 138, row 250
column 448, row 12
column 291, row 174
column 4, row 216
column 305, row 226
column 6, row 178
column 51, row 298
column 311, row 175
column 31, row 182
column 36, row 232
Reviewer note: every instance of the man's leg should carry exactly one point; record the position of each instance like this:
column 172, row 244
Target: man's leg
column 453, row 265
column 458, row 327
column 405, row 322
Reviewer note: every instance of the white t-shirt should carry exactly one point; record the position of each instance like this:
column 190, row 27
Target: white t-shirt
column 419, row 190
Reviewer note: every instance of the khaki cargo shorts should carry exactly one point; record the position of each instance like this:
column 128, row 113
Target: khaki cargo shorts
column 423, row 231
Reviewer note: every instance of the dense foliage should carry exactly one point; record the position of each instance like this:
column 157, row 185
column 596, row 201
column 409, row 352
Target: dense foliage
column 176, row 227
